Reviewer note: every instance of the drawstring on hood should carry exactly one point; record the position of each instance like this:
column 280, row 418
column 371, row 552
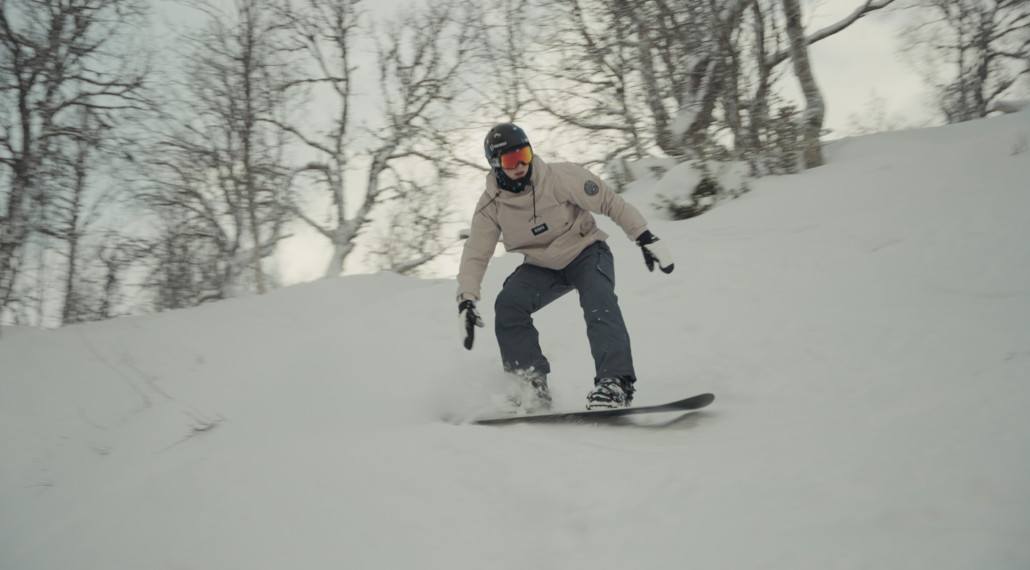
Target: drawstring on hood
column 534, row 203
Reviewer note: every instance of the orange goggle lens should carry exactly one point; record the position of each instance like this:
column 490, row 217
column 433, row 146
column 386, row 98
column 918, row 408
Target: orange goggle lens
column 512, row 159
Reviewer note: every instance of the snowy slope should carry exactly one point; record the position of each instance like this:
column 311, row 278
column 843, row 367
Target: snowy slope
column 865, row 327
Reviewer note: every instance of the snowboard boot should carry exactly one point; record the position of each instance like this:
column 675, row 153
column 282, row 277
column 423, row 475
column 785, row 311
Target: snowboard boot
column 609, row 393
column 532, row 396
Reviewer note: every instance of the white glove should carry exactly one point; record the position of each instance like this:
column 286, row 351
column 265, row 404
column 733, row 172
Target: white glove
column 468, row 319
column 655, row 251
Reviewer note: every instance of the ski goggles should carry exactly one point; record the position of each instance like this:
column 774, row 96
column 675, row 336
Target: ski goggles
column 510, row 160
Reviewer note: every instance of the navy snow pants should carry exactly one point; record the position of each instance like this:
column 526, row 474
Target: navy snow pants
column 531, row 288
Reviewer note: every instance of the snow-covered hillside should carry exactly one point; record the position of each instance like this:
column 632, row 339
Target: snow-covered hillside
column 864, row 325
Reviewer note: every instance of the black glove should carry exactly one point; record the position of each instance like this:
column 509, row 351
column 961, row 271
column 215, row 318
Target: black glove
column 468, row 319
column 655, row 251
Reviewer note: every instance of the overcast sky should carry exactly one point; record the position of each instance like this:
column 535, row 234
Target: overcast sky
column 864, row 58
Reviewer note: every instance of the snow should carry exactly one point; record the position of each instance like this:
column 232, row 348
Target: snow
column 1011, row 106
column 865, row 327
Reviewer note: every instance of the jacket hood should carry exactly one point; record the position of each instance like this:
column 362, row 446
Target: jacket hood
column 514, row 186
column 537, row 170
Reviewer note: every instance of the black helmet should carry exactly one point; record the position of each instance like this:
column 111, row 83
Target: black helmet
column 503, row 138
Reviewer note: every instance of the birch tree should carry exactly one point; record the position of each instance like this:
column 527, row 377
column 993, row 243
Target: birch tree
column 815, row 105
column 971, row 52
column 675, row 74
column 216, row 163
column 502, row 62
column 587, row 74
column 75, row 209
column 419, row 56
column 58, row 59
column 412, row 234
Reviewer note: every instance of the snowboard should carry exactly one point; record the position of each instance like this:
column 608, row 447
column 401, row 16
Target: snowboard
column 587, row 416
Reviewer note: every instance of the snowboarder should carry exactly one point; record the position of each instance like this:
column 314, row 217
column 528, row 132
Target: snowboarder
column 543, row 211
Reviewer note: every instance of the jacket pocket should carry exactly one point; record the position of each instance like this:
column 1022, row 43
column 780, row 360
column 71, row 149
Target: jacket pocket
column 587, row 226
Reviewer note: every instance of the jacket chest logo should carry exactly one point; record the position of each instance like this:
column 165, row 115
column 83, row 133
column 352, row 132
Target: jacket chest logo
column 539, row 229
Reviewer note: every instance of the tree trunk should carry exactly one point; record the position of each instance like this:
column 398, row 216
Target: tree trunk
column 13, row 234
column 815, row 109
column 340, row 252
column 250, row 69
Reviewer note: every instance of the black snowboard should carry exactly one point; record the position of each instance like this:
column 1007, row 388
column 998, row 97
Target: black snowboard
column 586, row 416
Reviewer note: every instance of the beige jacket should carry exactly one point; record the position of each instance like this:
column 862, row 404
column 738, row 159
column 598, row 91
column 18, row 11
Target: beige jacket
column 549, row 222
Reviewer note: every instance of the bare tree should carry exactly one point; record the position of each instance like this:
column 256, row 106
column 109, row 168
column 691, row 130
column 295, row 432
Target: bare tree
column 58, row 58
column 815, row 108
column 677, row 74
column 101, row 289
column 216, row 163
column 972, row 52
column 501, row 63
column 76, row 209
column 413, row 233
column 419, row 56
column 181, row 262
column 875, row 117
column 587, row 74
